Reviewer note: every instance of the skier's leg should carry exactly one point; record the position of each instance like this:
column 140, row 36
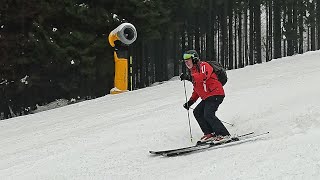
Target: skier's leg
column 210, row 108
column 198, row 113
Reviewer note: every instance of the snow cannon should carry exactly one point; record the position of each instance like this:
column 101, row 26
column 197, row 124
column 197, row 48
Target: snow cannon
column 125, row 32
column 120, row 38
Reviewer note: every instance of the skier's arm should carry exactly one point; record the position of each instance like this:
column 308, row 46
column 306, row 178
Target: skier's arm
column 194, row 97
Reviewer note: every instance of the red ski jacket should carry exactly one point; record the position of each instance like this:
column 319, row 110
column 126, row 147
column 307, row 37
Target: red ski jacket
column 205, row 82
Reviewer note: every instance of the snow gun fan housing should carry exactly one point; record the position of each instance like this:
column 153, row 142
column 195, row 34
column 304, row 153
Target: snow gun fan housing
column 125, row 32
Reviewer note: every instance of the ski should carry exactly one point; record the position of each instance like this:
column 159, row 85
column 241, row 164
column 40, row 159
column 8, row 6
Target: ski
column 169, row 150
column 234, row 140
column 163, row 152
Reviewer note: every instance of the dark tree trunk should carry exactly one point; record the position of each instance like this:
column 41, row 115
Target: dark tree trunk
column 246, row 45
column 277, row 29
column 257, row 30
column 240, row 59
column 290, row 29
column 318, row 23
column 301, row 26
column 235, row 55
column 175, row 53
column 313, row 26
column 142, row 66
column 230, row 25
column 224, row 35
column 210, row 39
column 183, row 47
column 270, row 50
column 251, row 32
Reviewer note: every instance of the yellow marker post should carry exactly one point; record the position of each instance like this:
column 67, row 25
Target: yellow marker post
column 131, row 73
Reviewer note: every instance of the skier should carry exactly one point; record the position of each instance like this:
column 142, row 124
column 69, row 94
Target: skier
column 210, row 90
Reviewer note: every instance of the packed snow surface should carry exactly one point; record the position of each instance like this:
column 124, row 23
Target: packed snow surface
column 109, row 137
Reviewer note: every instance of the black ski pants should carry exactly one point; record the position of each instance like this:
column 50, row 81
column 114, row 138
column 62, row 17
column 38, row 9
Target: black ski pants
column 205, row 114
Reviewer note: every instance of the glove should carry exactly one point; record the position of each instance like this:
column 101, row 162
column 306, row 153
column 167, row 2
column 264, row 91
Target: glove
column 185, row 77
column 188, row 104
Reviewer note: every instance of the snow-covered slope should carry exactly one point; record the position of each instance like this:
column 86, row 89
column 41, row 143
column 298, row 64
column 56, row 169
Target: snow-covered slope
column 109, row 137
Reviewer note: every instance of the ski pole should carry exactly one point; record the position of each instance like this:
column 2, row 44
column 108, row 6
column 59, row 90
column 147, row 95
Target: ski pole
column 227, row 123
column 185, row 93
column 220, row 120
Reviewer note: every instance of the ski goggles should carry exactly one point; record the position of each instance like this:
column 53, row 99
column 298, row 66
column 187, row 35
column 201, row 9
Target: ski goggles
column 187, row 56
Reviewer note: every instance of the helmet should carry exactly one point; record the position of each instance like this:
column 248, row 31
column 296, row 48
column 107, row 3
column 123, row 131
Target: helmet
column 191, row 54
